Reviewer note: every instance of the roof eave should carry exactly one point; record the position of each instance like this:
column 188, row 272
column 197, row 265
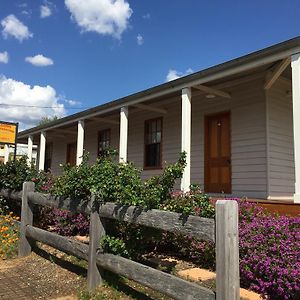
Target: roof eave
column 244, row 63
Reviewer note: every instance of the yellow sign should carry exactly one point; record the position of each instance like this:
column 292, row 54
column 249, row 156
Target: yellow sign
column 8, row 132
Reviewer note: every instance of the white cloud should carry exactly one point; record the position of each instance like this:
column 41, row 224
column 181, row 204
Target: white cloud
column 106, row 17
column 22, row 5
column 147, row 16
column 140, row 40
column 45, row 11
column 12, row 26
column 4, row 57
column 173, row 74
column 17, row 93
column 26, row 12
column 70, row 102
column 73, row 102
column 39, row 60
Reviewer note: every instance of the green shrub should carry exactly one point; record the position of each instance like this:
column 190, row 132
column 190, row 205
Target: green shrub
column 117, row 182
column 74, row 182
column 14, row 173
column 193, row 202
column 114, row 245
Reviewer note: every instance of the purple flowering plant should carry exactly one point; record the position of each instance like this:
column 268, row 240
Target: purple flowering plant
column 269, row 252
column 67, row 223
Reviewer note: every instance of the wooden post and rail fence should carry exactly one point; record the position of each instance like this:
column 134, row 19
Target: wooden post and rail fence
column 223, row 231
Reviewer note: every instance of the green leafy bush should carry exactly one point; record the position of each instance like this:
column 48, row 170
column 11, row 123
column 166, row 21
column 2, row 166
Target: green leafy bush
column 117, row 182
column 74, row 182
column 193, row 202
column 14, row 173
column 114, row 245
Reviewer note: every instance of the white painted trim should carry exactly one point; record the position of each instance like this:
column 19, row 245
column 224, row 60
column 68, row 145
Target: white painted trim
column 123, row 134
column 29, row 151
column 267, row 141
column 277, row 72
column 295, row 59
column 280, row 198
column 42, row 151
column 186, row 120
column 6, row 153
column 80, row 142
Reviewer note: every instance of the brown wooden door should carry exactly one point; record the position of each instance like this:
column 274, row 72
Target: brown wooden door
column 217, row 154
column 71, row 154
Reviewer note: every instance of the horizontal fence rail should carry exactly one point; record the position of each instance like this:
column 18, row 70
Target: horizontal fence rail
column 201, row 228
column 224, row 232
column 17, row 196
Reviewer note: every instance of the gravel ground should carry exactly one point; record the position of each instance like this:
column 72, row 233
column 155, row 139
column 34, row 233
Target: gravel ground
column 39, row 276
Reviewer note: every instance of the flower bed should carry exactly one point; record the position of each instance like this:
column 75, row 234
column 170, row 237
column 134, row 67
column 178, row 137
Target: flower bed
column 269, row 244
column 270, row 254
column 9, row 235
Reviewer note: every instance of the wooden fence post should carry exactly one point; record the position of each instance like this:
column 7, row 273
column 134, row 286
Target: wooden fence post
column 26, row 219
column 96, row 232
column 227, row 251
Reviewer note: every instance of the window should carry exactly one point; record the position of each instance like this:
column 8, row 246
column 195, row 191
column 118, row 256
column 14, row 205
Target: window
column 71, row 154
column 48, row 157
column 103, row 141
column 153, row 143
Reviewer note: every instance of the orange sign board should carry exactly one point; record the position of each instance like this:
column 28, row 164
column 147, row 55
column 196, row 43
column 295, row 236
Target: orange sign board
column 8, row 132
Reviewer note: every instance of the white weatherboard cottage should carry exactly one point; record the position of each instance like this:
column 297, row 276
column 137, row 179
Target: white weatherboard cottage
column 239, row 123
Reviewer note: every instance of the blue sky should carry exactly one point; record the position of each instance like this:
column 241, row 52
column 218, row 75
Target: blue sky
column 90, row 52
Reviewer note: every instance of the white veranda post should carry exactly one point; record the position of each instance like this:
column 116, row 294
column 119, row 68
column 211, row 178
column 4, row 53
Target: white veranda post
column 29, row 151
column 6, row 153
column 296, row 121
column 123, row 134
column 42, row 151
column 80, row 142
column 186, row 119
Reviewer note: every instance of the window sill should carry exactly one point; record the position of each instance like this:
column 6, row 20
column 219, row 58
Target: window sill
column 152, row 168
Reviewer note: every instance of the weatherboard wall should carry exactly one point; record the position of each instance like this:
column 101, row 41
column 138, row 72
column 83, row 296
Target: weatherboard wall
column 248, row 136
column 280, row 140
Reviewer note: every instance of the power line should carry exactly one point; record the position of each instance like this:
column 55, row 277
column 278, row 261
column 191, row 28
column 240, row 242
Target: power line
column 36, row 106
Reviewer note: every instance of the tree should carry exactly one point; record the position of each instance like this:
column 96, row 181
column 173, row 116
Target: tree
column 46, row 120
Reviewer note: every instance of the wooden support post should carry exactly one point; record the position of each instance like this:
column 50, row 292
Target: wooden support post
column 227, row 250
column 123, row 134
column 6, row 153
column 42, row 149
column 29, row 151
column 296, row 122
column 80, row 142
column 96, row 232
column 186, row 121
column 26, row 219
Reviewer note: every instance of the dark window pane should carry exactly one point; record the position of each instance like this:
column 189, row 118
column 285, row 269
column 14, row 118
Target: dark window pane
column 153, row 137
column 103, row 141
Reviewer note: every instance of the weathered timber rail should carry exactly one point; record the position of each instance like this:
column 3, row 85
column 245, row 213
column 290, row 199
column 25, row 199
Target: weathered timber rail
column 223, row 231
